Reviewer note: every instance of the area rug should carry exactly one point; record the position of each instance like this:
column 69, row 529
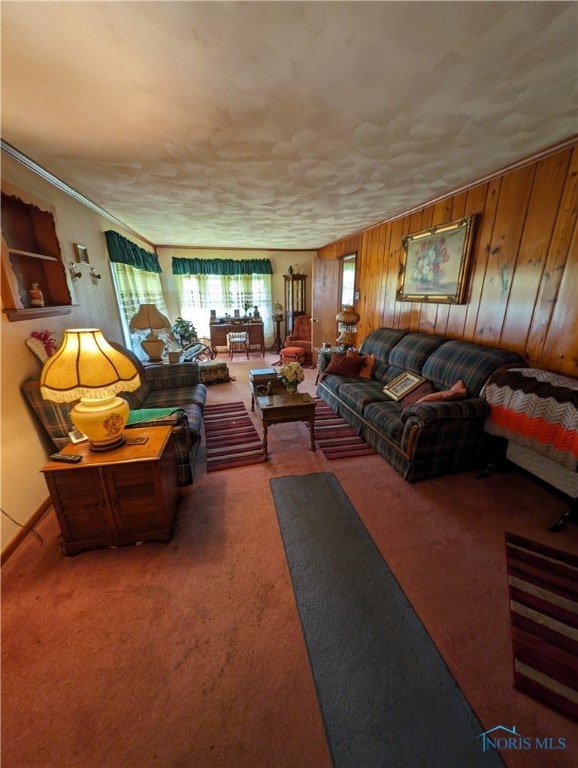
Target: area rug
column 230, row 436
column 386, row 695
column 543, row 589
column 334, row 437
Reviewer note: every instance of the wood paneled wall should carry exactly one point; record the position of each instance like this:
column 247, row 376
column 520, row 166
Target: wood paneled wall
column 523, row 279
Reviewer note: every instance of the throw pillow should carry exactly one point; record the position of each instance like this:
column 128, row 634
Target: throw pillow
column 367, row 363
column 415, row 396
column 367, row 367
column 343, row 365
column 457, row 392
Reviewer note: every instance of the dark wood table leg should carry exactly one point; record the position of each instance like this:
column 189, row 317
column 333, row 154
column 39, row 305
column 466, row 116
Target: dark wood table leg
column 312, row 431
column 265, row 438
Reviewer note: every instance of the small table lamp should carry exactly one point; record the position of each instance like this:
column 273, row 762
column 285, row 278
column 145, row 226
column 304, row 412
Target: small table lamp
column 87, row 367
column 149, row 318
column 347, row 321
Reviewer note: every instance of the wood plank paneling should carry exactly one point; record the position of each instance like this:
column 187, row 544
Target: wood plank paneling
column 503, row 252
column 523, row 276
column 559, row 257
column 542, row 210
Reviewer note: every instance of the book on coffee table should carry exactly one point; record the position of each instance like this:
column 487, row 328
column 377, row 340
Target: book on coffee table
column 262, row 374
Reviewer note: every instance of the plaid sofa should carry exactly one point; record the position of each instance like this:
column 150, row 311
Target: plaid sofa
column 174, row 386
column 423, row 439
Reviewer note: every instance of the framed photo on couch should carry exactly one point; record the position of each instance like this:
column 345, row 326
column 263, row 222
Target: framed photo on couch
column 435, row 264
column 402, row 385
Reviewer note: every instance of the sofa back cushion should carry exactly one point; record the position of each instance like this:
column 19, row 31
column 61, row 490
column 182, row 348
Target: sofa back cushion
column 54, row 417
column 473, row 363
column 381, row 342
column 411, row 353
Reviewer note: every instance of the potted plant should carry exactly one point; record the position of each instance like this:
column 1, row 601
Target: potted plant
column 185, row 331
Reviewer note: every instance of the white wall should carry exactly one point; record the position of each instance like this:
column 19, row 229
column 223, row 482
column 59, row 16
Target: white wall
column 24, row 449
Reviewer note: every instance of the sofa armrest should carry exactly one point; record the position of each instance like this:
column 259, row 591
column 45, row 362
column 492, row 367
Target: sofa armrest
column 179, row 424
column 174, row 376
column 423, row 414
column 439, row 429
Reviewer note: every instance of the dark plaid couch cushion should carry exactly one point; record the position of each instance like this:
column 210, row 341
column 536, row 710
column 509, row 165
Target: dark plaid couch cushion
column 177, row 398
column 385, row 417
column 473, row 363
column 412, row 351
column 381, row 342
column 54, row 417
column 357, row 393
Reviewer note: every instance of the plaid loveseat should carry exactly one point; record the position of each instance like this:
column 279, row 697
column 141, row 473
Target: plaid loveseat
column 419, row 440
column 163, row 387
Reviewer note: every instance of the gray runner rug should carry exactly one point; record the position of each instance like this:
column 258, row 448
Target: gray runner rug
column 386, row 695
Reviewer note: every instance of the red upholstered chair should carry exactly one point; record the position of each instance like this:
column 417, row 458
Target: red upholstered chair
column 301, row 337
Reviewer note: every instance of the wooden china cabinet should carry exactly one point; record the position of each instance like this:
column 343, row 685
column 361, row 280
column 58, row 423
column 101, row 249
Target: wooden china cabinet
column 295, row 299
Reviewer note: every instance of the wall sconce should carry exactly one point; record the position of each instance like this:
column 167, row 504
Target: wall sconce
column 96, row 276
column 74, row 275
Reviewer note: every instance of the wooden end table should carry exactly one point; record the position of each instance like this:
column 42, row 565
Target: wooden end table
column 263, row 379
column 282, row 408
column 118, row 497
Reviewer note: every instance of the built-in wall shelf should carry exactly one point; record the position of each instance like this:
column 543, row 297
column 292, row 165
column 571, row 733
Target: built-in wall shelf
column 16, row 252
column 14, row 315
column 31, row 254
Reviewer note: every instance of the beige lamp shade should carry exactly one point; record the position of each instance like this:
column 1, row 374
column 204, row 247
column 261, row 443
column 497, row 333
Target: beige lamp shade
column 347, row 321
column 87, row 367
column 149, row 318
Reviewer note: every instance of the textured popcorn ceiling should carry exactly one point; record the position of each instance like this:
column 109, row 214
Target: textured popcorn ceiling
column 281, row 125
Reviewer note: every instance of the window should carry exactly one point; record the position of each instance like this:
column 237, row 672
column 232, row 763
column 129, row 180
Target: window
column 135, row 287
column 136, row 277
column 348, row 279
column 223, row 285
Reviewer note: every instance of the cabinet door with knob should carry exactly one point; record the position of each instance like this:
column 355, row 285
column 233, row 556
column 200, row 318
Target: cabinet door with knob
column 295, row 299
column 118, row 497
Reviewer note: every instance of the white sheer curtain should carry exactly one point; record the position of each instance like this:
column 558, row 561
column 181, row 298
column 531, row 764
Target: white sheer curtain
column 135, row 287
column 199, row 294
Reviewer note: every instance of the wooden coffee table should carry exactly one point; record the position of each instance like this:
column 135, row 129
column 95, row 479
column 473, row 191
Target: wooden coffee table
column 282, row 408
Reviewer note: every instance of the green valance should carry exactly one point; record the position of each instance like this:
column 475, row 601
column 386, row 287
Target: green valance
column 123, row 251
column 222, row 267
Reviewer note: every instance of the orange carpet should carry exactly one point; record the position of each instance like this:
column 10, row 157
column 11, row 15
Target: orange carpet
column 191, row 654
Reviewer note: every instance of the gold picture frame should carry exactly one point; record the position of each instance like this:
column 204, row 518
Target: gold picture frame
column 402, row 385
column 436, row 263
column 81, row 254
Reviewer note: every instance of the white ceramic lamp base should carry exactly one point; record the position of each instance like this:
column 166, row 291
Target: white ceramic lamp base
column 102, row 421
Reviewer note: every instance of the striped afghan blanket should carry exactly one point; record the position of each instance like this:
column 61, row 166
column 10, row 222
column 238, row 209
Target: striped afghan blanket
column 536, row 409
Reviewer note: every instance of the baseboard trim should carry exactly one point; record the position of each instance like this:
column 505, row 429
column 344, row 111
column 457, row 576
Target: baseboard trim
column 17, row 540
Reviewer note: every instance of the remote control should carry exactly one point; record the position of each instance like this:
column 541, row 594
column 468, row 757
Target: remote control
column 68, row 458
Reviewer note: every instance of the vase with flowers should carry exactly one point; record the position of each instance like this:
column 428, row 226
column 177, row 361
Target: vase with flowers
column 291, row 374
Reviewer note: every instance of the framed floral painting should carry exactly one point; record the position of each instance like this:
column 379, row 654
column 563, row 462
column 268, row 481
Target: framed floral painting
column 435, row 263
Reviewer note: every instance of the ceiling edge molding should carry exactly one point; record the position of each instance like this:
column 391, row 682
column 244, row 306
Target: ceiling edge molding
column 54, row 181
column 233, row 248
column 535, row 157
